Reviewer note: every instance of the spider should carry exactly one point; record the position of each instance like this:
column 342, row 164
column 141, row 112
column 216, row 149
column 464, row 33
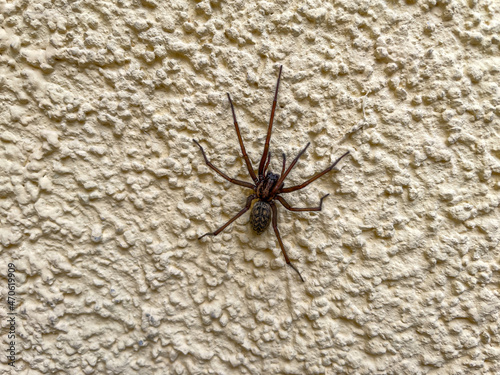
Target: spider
column 267, row 187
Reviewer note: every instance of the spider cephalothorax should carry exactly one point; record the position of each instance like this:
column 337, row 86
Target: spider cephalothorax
column 267, row 187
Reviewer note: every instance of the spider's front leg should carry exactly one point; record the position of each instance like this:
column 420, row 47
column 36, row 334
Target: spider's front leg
column 245, row 209
column 269, row 128
column 240, row 140
column 277, row 232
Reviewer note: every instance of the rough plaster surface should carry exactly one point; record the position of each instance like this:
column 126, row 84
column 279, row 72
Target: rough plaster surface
column 104, row 194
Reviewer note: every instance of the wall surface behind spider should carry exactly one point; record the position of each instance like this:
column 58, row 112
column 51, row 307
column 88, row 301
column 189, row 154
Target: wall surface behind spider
column 104, row 194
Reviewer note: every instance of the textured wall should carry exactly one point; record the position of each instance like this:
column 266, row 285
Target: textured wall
column 103, row 194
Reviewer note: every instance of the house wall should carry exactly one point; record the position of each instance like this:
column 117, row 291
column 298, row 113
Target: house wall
column 104, row 193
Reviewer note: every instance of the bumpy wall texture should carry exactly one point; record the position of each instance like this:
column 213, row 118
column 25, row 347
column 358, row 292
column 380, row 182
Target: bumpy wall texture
column 103, row 193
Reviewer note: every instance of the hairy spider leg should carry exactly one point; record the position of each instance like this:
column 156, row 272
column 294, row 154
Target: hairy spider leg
column 243, row 151
column 245, row 209
column 284, row 164
column 290, row 208
column 267, row 162
column 279, row 184
column 277, row 232
column 315, row 177
column 222, row 174
column 269, row 129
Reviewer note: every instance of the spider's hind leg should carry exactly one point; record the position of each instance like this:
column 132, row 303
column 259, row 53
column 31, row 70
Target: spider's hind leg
column 290, row 208
column 277, row 232
column 245, row 209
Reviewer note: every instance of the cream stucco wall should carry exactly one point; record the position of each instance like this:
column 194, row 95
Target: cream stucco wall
column 103, row 194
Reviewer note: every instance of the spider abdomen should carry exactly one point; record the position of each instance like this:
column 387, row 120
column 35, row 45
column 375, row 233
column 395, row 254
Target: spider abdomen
column 260, row 216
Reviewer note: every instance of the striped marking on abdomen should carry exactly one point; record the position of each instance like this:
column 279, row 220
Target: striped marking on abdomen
column 260, row 216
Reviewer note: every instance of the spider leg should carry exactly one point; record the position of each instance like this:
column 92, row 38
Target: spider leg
column 267, row 162
column 290, row 208
column 315, row 177
column 277, row 232
column 243, row 151
column 284, row 164
column 245, row 209
column 237, row 182
column 279, row 184
column 270, row 128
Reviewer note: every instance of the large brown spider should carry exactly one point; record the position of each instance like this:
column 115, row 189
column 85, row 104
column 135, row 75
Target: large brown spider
column 266, row 187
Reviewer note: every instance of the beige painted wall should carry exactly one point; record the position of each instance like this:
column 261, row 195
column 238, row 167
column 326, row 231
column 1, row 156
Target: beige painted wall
column 103, row 194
